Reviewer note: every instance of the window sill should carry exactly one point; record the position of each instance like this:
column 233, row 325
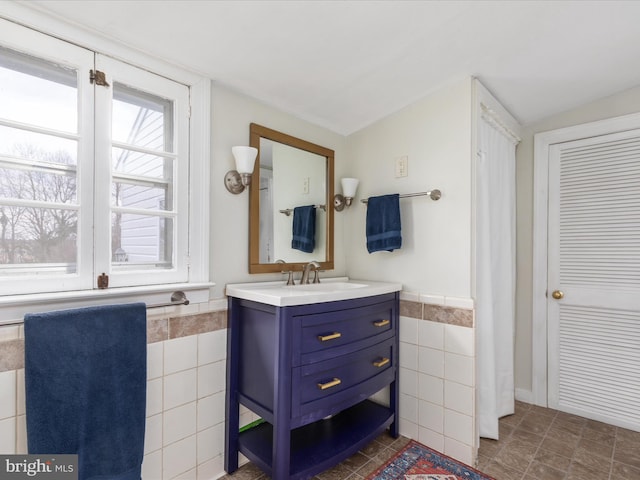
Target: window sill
column 14, row 307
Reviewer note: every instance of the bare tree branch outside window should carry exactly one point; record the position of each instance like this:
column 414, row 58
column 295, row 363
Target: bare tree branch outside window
column 38, row 234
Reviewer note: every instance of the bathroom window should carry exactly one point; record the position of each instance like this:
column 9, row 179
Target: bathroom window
column 94, row 174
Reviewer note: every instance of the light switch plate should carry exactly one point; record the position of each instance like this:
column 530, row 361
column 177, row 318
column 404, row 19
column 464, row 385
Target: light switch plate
column 402, row 166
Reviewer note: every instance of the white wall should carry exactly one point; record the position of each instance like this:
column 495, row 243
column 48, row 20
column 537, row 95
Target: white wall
column 435, row 134
column 232, row 114
column 615, row 105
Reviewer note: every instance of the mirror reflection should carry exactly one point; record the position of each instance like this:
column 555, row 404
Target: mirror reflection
column 290, row 218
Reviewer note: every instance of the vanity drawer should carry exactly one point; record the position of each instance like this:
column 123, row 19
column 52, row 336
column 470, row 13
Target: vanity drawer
column 328, row 334
column 327, row 385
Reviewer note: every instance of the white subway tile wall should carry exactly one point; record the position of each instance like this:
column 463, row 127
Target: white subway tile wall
column 7, row 394
column 184, row 437
column 8, row 435
column 186, row 380
column 185, row 424
column 437, row 389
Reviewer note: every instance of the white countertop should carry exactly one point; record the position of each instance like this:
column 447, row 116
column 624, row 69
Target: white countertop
column 329, row 290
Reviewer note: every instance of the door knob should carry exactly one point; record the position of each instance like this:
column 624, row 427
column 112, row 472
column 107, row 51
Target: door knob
column 557, row 294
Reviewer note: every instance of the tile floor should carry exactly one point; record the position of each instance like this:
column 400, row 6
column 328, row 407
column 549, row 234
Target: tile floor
column 535, row 444
column 543, row 444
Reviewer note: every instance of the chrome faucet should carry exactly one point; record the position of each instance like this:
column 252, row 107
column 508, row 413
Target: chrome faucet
column 305, row 272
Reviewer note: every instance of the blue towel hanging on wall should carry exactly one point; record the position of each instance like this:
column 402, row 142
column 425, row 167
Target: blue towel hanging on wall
column 384, row 230
column 304, row 228
column 85, row 380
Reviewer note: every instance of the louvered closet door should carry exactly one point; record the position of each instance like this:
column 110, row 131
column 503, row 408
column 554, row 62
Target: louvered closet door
column 594, row 261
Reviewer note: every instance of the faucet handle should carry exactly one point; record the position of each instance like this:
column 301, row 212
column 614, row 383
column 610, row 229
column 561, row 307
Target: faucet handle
column 290, row 272
column 290, row 277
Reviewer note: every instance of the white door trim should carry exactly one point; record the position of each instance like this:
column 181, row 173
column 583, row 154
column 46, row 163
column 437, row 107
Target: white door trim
column 542, row 142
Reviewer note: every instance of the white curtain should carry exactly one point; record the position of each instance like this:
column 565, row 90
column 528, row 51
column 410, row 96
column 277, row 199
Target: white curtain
column 495, row 267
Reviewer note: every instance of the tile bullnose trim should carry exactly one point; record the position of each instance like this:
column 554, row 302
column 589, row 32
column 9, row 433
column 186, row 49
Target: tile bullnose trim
column 409, row 296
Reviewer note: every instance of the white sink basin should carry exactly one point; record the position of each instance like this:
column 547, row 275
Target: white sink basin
column 331, row 289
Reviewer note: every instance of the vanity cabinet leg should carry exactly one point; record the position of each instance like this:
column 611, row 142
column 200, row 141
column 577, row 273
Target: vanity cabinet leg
column 394, row 387
column 231, row 437
column 281, row 453
column 232, row 404
column 393, row 404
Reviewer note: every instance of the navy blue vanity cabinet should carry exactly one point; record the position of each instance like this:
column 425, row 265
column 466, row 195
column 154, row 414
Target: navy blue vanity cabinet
column 308, row 371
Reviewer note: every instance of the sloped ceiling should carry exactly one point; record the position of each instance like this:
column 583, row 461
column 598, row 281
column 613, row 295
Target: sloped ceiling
column 345, row 64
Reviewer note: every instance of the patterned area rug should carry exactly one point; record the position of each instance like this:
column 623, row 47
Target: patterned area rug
column 417, row 462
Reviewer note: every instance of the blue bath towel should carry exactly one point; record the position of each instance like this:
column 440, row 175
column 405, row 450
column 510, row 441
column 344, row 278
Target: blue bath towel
column 304, row 228
column 384, row 231
column 85, row 378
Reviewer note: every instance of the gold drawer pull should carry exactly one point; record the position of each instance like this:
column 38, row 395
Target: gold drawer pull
column 381, row 363
column 382, row 323
column 332, row 383
column 332, row 336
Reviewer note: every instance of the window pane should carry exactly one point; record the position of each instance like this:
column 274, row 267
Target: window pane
column 37, row 92
column 38, row 236
column 37, row 185
column 34, row 146
column 146, row 121
column 141, row 240
column 142, row 119
column 153, row 197
column 134, row 163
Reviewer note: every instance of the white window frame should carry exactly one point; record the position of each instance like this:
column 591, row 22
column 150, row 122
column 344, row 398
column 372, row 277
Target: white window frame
column 119, row 72
column 27, row 41
column 23, row 39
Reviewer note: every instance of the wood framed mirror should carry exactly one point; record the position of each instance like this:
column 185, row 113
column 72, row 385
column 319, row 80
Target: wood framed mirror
column 289, row 173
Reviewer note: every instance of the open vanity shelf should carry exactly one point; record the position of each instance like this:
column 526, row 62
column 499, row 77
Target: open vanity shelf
column 308, row 371
column 317, row 446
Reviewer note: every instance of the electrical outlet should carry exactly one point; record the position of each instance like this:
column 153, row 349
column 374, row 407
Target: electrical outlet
column 305, row 185
column 402, row 166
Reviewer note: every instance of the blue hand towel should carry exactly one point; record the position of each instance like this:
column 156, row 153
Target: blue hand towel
column 384, row 231
column 85, row 379
column 304, row 228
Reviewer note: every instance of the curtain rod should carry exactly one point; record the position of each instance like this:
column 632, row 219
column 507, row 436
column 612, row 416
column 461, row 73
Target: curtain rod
column 177, row 298
column 434, row 194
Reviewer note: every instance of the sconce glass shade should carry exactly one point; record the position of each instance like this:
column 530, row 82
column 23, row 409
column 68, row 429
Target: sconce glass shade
column 344, row 199
column 349, row 187
column 236, row 180
column 245, row 158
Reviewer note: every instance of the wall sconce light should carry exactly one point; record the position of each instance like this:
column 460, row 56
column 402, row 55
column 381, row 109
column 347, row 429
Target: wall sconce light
column 236, row 180
column 349, row 188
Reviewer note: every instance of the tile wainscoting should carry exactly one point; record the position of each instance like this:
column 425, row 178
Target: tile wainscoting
column 186, row 382
column 437, row 377
column 186, row 386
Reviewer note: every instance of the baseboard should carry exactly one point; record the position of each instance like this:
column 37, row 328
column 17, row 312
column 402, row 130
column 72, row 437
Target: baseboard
column 525, row 396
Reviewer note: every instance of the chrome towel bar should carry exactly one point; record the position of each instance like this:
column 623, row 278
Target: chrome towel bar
column 289, row 211
column 177, row 298
column 433, row 194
